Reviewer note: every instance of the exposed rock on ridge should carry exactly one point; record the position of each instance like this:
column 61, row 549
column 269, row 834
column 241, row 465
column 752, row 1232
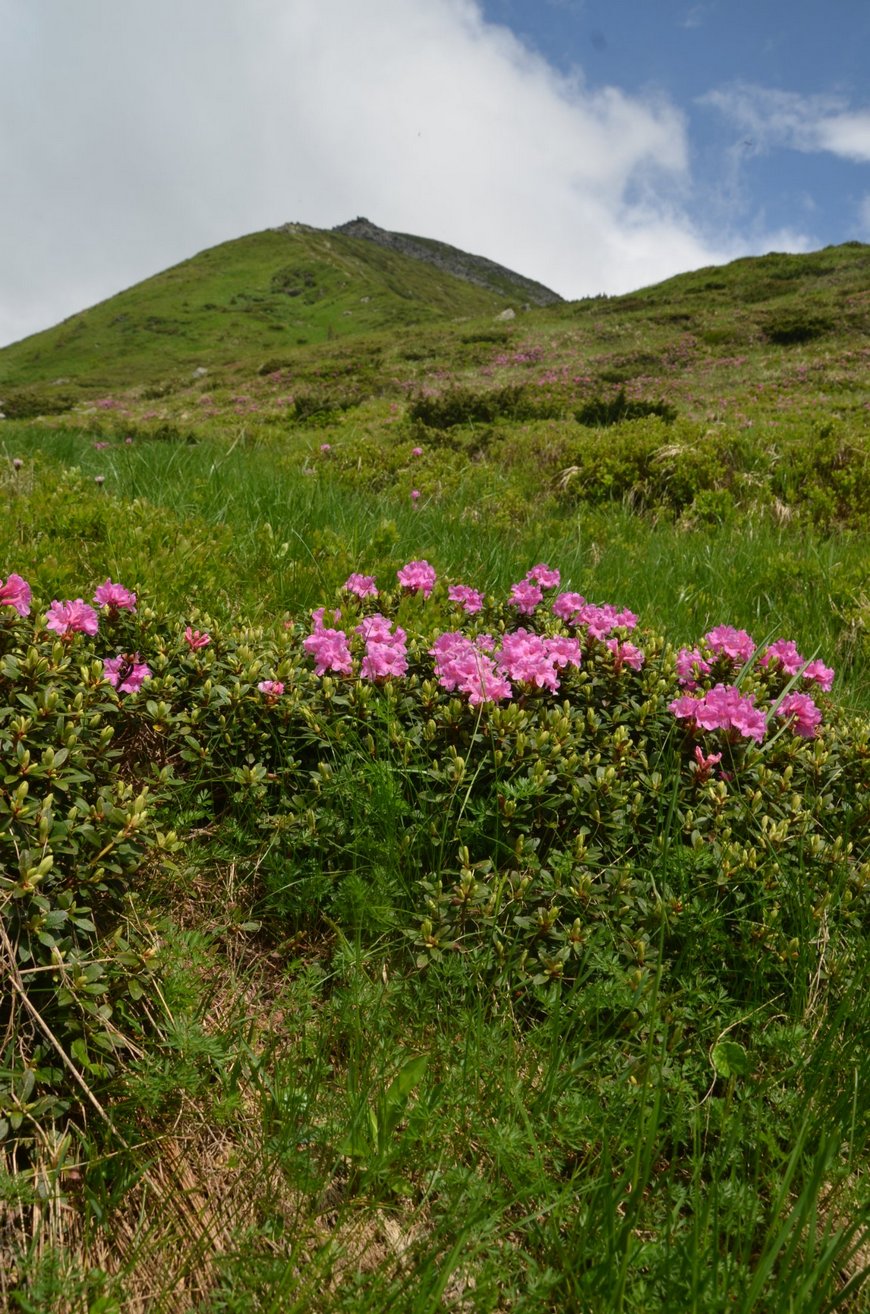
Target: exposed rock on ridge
column 472, row 268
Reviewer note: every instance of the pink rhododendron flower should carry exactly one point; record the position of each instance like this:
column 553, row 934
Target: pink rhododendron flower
column 625, row 619
column 68, row 618
column 598, row 620
column 690, row 666
column 417, row 577
column 469, row 599
column 462, row 665
column 818, row 673
column 196, row 639
column 723, row 708
column 16, row 593
column 385, row 649
column 362, row 585
column 626, row 654
column 782, row 653
column 318, row 614
column 524, row 658
column 728, row 642
column 567, row 605
column 273, row 690
column 525, row 596
column 542, row 574
column 330, row 650
column 115, row 597
column 563, row 651
column 126, row 672
column 705, row 764
column 804, row 713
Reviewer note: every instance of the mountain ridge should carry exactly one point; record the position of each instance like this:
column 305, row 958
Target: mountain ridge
column 451, row 260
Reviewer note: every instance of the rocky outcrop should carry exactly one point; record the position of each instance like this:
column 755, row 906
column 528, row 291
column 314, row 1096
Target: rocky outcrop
column 471, row 268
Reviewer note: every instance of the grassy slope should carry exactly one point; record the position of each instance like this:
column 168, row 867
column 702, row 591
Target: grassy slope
column 560, row 1162
column 258, row 295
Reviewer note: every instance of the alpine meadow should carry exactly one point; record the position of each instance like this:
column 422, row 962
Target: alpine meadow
column 435, row 813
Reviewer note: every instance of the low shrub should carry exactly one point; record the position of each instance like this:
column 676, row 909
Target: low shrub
column 76, row 825
column 527, row 784
column 601, row 412
column 465, row 406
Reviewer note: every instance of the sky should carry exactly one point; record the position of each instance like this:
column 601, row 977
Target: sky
column 595, row 145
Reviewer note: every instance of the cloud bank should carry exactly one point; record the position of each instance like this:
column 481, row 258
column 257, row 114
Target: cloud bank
column 775, row 118
column 135, row 135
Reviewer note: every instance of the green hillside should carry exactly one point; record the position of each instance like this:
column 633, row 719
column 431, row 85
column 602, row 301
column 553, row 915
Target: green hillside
column 263, row 293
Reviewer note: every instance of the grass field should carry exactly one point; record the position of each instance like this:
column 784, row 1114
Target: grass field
column 360, row 994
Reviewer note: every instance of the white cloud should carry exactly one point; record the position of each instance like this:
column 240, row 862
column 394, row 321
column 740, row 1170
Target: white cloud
column 137, row 134
column 774, row 118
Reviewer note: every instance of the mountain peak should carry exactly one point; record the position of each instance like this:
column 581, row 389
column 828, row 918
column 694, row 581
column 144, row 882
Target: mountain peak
column 472, row 268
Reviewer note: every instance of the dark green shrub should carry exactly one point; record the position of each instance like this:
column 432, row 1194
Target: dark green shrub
column 76, row 825
column 25, row 403
column 601, row 412
column 789, row 327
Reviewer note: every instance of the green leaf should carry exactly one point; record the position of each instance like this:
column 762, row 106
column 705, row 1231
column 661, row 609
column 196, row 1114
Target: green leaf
column 79, row 1051
column 408, row 1076
column 730, row 1059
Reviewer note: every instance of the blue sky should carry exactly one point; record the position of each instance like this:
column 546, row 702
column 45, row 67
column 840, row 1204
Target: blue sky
column 737, row 69
column 596, row 145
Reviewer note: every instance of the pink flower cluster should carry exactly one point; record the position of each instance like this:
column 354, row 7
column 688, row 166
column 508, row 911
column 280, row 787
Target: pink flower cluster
column 126, row 672
column 526, row 596
column 469, row 599
column 468, row 666
column 196, row 639
column 723, row 708
column 16, row 593
column 626, row 654
column 464, row 665
column 273, row 690
column 69, row 618
column 362, row 585
column 532, row 660
column 417, row 577
column 802, row 712
column 783, row 655
column 726, row 641
column 738, row 647
column 598, row 621
column 548, row 577
column 115, row 597
column 328, row 647
column 385, row 653
column 529, row 593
